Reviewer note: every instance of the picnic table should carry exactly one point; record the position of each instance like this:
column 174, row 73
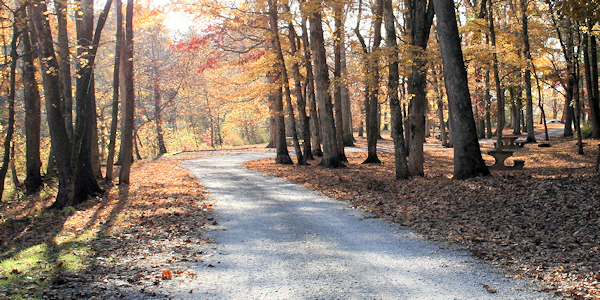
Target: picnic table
column 510, row 142
column 500, row 157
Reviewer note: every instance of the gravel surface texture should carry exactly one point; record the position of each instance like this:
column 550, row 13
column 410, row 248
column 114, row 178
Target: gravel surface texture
column 277, row 240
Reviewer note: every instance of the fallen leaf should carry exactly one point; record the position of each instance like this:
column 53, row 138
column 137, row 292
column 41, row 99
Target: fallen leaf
column 166, row 275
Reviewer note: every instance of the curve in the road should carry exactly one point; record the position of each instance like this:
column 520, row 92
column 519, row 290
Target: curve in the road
column 277, row 240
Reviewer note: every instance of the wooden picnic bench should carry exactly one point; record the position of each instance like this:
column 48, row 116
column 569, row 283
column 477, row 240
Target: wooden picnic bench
column 500, row 157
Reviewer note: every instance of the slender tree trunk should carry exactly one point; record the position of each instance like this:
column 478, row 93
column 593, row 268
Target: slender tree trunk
column 115, row 96
column 346, row 105
column 300, row 98
column 281, row 68
column 467, row 154
column 527, row 75
column 419, row 20
column 592, row 93
column 162, row 148
column 61, row 144
column 331, row 156
column 372, row 85
column 276, row 98
column 315, row 127
column 10, row 125
column 129, row 98
column 33, row 121
column 400, row 152
column 337, row 74
column 499, row 90
column 64, row 55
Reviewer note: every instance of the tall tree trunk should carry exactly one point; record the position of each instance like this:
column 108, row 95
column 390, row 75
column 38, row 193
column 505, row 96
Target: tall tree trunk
column 115, row 95
column 315, row 127
column 589, row 80
column 84, row 180
column 331, row 156
column 372, row 84
column 300, row 98
column 61, row 144
column 419, row 20
column 467, row 154
column 128, row 93
column 10, row 125
column 346, row 105
column 337, row 77
column 33, row 121
column 594, row 70
column 527, row 75
column 162, row 148
column 276, row 98
column 499, row 90
column 280, row 67
column 393, row 84
column 64, row 55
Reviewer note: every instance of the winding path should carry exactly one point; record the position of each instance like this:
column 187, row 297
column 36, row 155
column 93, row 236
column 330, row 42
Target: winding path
column 276, row 240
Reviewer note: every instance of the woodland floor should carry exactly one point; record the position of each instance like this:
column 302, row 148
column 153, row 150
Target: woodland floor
column 542, row 222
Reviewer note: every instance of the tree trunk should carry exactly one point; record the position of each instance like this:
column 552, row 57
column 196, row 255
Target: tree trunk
column 315, row 127
column 592, row 93
column 467, row 154
column 337, row 77
column 115, row 96
column 61, row 144
column 346, row 105
column 419, row 20
column 372, row 85
column 10, row 125
column 528, row 94
column 276, row 98
column 393, row 84
column 64, row 55
column 162, row 148
column 300, row 99
column 331, row 156
column 280, row 67
column 128, row 93
column 33, row 121
column 499, row 90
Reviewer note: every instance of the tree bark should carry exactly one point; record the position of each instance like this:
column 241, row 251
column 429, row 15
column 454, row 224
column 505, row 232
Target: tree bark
column 33, row 121
column 337, row 77
column 315, row 127
column 331, row 158
column 281, row 68
column 115, row 95
column 300, row 98
column 276, row 98
column 400, row 152
column 372, row 85
column 346, row 105
column 128, row 93
column 419, row 20
column 499, row 91
column 64, row 55
column 61, row 144
column 467, row 154
column 10, row 125
column 527, row 75
column 592, row 95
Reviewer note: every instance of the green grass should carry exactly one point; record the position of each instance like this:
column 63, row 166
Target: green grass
column 25, row 273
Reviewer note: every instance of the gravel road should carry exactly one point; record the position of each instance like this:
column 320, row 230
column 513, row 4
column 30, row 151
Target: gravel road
column 277, row 240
